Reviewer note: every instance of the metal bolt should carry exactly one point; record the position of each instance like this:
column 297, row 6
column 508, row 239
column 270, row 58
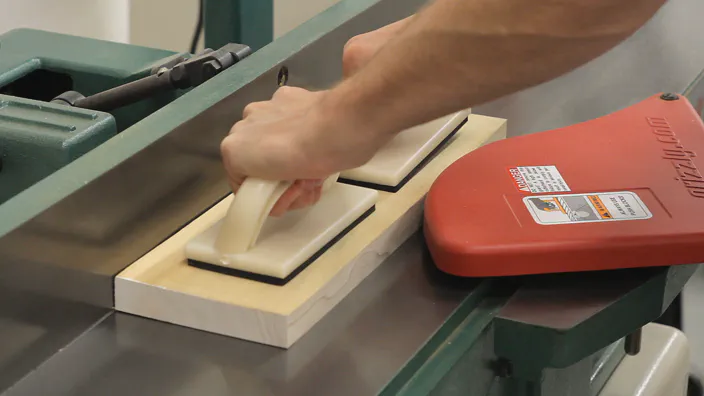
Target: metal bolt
column 669, row 96
column 282, row 78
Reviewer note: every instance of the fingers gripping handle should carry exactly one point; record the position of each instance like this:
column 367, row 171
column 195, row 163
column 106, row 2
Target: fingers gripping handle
column 248, row 212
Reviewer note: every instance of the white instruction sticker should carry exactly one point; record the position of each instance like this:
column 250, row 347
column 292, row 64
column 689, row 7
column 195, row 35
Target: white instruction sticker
column 587, row 208
column 538, row 179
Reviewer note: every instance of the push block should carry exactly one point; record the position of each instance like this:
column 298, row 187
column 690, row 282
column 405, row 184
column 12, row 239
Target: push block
column 249, row 243
column 396, row 163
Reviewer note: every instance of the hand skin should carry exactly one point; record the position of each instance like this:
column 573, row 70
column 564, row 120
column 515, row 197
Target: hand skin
column 360, row 49
column 304, row 192
column 261, row 145
column 452, row 55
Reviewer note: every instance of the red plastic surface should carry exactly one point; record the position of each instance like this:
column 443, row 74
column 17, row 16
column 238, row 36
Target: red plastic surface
column 477, row 223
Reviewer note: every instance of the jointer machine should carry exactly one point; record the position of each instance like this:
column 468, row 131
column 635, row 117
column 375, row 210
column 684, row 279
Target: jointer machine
column 457, row 261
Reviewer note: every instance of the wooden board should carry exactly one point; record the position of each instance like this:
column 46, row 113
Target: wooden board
column 161, row 285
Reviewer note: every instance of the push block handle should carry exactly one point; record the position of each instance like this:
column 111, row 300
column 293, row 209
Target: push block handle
column 249, row 211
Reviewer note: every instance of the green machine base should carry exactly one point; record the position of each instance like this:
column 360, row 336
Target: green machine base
column 37, row 137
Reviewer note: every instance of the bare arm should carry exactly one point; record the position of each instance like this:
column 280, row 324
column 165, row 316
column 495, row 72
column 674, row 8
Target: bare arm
column 461, row 53
column 453, row 55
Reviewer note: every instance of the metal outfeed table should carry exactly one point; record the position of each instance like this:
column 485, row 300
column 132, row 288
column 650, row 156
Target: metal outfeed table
column 405, row 330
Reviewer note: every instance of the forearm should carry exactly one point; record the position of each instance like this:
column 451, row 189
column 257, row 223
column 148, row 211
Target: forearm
column 457, row 54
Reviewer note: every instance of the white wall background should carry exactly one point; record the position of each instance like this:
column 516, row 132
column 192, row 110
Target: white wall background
column 166, row 24
column 103, row 19
column 290, row 13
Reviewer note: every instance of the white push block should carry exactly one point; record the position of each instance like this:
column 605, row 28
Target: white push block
column 660, row 369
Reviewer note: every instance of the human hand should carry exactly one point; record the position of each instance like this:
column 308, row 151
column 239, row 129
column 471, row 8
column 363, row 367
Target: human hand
column 297, row 135
column 361, row 48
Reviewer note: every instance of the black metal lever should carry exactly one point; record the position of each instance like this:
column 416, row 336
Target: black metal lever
column 188, row 73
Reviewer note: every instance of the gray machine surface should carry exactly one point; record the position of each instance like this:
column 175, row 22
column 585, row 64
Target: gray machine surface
column 355, row 350
column 72, row 348
column 663, row 56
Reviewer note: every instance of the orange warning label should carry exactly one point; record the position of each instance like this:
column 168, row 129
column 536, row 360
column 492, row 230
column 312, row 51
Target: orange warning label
column 587, row 208
column 600, row 207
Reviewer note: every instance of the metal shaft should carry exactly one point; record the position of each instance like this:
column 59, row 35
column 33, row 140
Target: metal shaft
column 127, row 94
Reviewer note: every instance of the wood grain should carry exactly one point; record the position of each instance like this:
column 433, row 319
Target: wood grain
column 161, row 285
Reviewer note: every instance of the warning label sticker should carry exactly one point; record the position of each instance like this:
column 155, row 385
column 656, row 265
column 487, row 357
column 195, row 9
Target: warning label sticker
column 587, row 208
column 538, row 179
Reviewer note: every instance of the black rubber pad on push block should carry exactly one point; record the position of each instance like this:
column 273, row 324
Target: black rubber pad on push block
column 413, row 172
column 272, row 280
